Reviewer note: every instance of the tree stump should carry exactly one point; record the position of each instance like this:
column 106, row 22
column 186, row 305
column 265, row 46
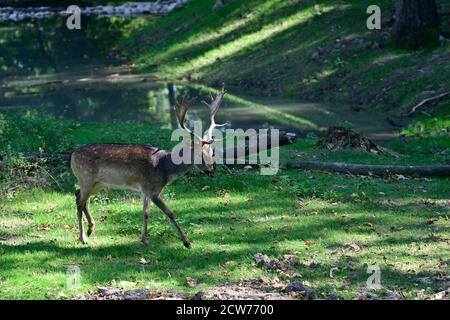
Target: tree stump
column 345, row 138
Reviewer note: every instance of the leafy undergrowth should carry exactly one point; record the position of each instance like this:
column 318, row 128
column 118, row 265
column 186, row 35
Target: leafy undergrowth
column 431, row 131
column 313, row 50
column 331, row 222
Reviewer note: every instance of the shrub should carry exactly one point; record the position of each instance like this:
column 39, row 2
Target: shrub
column 32, row 132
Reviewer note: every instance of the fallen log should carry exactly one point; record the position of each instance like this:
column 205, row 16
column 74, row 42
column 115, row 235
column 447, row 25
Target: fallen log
column 48, row 155
column 285, row 138
column 364, row 169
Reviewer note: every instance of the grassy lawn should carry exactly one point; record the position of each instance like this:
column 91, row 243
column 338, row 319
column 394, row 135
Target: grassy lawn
column 399, row 223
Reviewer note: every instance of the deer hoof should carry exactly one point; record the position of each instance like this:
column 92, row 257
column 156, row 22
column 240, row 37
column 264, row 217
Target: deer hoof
column 187, row 244
column 83, row 240
column 144, row 241
column 90, row 230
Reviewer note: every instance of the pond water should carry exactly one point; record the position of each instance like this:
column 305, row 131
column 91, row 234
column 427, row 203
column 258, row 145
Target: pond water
column 79, row 74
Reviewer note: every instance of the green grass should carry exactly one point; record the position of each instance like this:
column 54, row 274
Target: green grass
column 401, row 223
column 288, row 48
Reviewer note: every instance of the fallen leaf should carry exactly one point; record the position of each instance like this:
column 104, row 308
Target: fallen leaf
column 43, row 227
column 221, row 192
column 309, row 243
column 191, row 282
column 227, row 198
column 153, row 295
column 229, row 263
column 143, row 261
column 353, row 246
column 438, row 237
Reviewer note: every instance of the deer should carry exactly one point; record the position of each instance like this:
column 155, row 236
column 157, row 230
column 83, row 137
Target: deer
column 142, row 168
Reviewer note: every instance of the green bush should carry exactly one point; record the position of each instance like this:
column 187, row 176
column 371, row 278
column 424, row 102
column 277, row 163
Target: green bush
column 23, row 133
column 34, row 132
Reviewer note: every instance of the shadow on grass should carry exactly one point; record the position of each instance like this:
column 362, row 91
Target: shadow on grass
column 270, row 217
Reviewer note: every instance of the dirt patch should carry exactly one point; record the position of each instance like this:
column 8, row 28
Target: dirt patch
column 105, row 293
column 285, row 265
column 256, row 289
column 245, row 290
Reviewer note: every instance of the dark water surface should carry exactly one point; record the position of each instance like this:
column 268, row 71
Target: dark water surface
column 79, row 74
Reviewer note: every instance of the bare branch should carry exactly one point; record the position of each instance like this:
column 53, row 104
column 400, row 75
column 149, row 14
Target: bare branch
column 414, row 109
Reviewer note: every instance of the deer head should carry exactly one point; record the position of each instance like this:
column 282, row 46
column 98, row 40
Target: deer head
column 208, row 164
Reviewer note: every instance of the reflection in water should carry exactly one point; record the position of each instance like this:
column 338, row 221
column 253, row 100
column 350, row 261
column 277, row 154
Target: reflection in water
column 67, row 73
column 125, row 10
column 79, row 74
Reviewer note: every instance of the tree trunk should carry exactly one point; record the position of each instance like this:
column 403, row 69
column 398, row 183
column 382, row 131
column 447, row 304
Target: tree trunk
column 172, row 103
column 417, row 24
column 285, row 138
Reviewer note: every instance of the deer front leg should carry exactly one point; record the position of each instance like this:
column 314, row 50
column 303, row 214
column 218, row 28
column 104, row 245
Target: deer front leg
column 157, row 200
column 147, row 205
column 96, row 188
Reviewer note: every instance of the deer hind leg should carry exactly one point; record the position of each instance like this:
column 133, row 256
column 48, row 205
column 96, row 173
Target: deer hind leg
column 146, row 213
column 82, row 197
column 90, row 220
column 157, row 200
column 81, row 202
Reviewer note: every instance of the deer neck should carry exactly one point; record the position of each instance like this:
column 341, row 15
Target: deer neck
column 173, row 171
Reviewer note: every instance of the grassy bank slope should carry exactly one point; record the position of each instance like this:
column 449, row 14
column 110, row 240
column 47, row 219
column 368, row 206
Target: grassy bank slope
column 291, row 48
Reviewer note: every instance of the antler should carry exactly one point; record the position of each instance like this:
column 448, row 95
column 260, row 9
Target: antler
column 180, row 110
column 213, row 108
